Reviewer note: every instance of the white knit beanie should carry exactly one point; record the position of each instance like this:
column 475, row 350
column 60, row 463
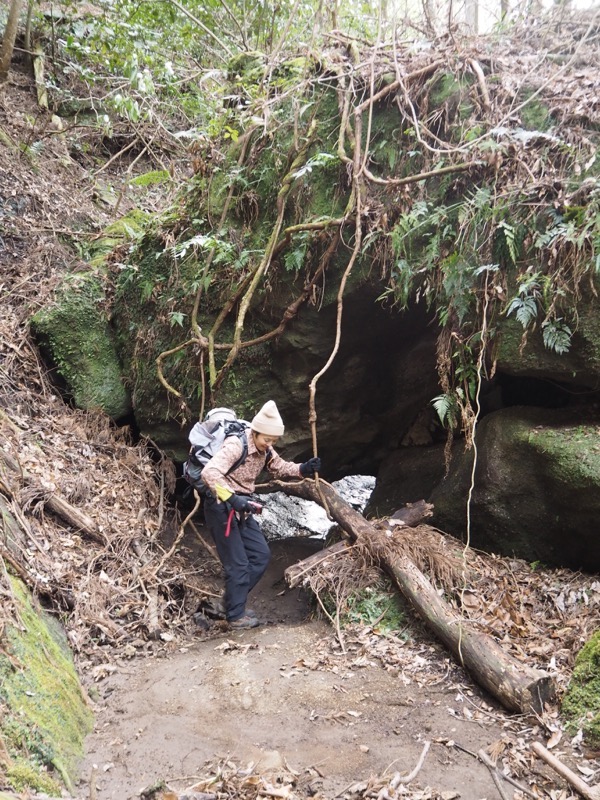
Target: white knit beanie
column 268, row 420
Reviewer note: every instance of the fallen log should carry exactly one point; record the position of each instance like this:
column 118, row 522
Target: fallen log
column 515, row 685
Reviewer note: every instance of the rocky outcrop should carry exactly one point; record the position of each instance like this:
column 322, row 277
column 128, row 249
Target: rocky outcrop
column 45, row 715
column 536, row 488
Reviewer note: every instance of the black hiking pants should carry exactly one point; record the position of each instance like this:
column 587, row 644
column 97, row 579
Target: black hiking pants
column 244, row 553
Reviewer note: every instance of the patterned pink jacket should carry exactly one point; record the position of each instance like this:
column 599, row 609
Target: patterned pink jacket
column 243, row 479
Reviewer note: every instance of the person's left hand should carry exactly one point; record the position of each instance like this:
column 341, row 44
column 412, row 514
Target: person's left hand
column 308, row 469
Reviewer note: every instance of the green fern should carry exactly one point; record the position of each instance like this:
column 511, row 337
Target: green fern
column 446, row 408
column 524, row 308
column 508, row 235
column 557, row 335
column 525, row 305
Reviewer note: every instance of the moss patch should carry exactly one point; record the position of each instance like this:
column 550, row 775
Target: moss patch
column 75, row 332
column 574, row 453
column 45, row 718
column 581, row 704
column 535, row 116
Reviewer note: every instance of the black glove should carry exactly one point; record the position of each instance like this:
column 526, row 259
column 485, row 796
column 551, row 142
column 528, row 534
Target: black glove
column 240, row 503
column 308, row 469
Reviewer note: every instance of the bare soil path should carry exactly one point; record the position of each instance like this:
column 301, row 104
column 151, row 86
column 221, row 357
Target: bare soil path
column 284, row 696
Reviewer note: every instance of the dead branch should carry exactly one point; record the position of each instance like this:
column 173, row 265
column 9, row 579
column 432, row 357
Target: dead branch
column 161, row 357
column 293, row 308
column 398, row 780
column 589, row 792
column 422, row 176
column 485, row 96
column 497, row 775
column 419, row 73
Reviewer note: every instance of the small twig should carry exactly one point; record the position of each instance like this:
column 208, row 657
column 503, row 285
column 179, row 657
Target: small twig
column 398, row 780
column 485, row 759
column 485, row 97
column 334, row 621
column 179, row 536
column 93, row 776
column 208, row 547
column 493, row 772
column 116, row 155
column 161, row 357
column 207, row 30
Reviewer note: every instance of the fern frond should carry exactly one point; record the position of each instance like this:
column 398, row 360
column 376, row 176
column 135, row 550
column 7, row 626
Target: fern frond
column 557, row 336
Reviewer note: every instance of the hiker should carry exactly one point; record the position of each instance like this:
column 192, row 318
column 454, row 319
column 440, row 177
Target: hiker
column 228, row 509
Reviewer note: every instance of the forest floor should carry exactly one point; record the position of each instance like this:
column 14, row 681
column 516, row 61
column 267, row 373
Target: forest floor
column 284, row 700
column 196, row 707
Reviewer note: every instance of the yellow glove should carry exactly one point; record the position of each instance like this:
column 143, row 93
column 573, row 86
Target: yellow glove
column 223, row 493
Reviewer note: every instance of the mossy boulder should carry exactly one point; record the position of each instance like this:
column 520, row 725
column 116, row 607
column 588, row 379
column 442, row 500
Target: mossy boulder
column 45, row 717
column 536, row 489
column 581, row 703
column 75, row 333
column 521, row 353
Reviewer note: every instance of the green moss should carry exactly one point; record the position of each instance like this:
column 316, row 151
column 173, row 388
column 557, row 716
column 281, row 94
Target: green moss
column 75, row 332
column 574, row 453
column 22, row 775
column 46, row 717
column 445, row 87
column 535, row 116
column 581, row 704
column 248, row 65
column 127, row 228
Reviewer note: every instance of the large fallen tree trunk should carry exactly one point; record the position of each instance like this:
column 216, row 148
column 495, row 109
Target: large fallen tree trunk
column 515, row 685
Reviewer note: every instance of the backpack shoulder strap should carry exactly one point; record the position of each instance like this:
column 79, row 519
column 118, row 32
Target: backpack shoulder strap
column 239, row 430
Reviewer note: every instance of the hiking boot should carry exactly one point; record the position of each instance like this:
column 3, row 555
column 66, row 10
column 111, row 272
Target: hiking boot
column 250, row 612
column 244, row 622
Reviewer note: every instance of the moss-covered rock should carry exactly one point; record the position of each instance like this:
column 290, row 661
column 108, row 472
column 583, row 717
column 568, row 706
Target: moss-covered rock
column 76, row 334
column 44, row 717
column 536, row 490
column 517, row 354
column 581, row 703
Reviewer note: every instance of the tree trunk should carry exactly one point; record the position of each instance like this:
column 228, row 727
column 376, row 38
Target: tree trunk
column 516, row 686
column 8, row 39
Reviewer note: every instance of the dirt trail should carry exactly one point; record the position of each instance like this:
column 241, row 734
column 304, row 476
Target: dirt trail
column 283, row 694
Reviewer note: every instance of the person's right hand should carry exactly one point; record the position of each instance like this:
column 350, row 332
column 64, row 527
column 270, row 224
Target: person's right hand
column 308, row 469
column 240, row 503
